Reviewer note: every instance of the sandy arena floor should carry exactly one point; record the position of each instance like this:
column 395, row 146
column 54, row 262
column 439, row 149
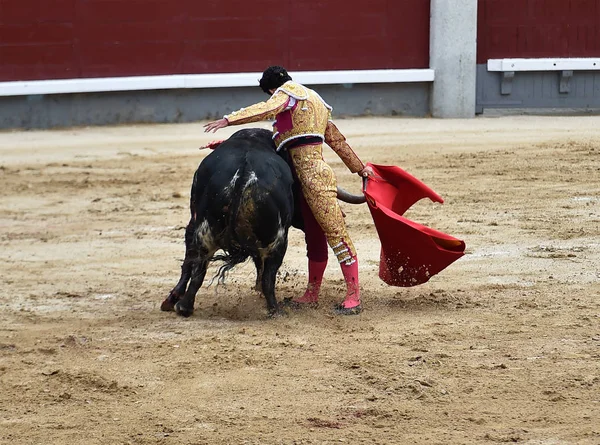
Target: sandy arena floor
column 503, row 346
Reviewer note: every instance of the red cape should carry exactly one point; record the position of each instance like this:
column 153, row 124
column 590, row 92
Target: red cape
column 410, row 252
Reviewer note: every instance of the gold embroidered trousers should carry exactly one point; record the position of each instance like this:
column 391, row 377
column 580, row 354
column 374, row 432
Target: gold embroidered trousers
column 319, row 187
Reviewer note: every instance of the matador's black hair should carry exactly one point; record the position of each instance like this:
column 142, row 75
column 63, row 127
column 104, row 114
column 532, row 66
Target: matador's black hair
column 273, row 77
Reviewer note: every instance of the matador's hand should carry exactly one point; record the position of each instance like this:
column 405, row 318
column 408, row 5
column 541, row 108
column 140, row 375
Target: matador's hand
column 212, row 144
column 215, row 125
column 367, row 172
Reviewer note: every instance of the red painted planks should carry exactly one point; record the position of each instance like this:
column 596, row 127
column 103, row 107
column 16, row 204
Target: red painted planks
column 38, row 62
column 129, row 11
column 223, row 9
column 407, row 34
column 250, row 56
column 141, row 37
column 38, row 34
column 221, row 29
column 538, row 28
column 387, row 34
column 133, row 32
column 35, row 11
column 131, row 58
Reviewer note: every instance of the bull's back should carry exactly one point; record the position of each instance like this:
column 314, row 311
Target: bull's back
column 244, row 190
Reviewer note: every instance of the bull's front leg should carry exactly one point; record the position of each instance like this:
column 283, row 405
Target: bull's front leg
column 185, row 306
column 191, row 253
column 176, row 293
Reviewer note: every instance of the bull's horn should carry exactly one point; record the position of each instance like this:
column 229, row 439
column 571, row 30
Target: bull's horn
column 348, row 197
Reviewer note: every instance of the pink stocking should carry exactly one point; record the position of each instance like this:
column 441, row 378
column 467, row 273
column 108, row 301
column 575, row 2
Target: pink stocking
column 316, row 269
column 352, row 289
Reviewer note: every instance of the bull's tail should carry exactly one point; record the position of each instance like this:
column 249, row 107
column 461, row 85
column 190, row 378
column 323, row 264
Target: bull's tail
column 240, row 222
column 238, row 227
column 239, row 234
column 230, row 260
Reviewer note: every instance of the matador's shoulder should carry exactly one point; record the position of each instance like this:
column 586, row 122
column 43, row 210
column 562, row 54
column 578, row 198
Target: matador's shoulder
column 295, row 90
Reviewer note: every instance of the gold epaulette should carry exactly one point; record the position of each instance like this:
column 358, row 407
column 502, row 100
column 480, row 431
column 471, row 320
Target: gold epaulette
column 293, row 89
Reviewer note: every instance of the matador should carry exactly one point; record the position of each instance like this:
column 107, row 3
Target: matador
column 302, row 123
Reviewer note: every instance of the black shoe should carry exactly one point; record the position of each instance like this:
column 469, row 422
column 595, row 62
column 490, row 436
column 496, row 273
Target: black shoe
column 339, row 309
column 296, row 305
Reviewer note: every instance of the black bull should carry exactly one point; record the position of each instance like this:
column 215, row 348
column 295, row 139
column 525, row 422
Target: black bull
column 243, row 202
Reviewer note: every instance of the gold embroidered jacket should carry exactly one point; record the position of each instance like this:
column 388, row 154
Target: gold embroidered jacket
column 299, row 111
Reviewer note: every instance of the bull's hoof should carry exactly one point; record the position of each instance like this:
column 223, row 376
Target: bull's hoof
column 167, row 305
column 183, row 311
column 297, row 305
column 341, row 310
column 276, row 313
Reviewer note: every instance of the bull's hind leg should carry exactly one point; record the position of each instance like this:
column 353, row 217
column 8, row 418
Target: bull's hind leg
column 191, row 253
column 272, row 262
column 258, row 262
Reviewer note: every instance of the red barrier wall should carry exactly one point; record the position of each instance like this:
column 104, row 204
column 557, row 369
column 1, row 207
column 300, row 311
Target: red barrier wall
column 43, row 39
column 538, row 28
